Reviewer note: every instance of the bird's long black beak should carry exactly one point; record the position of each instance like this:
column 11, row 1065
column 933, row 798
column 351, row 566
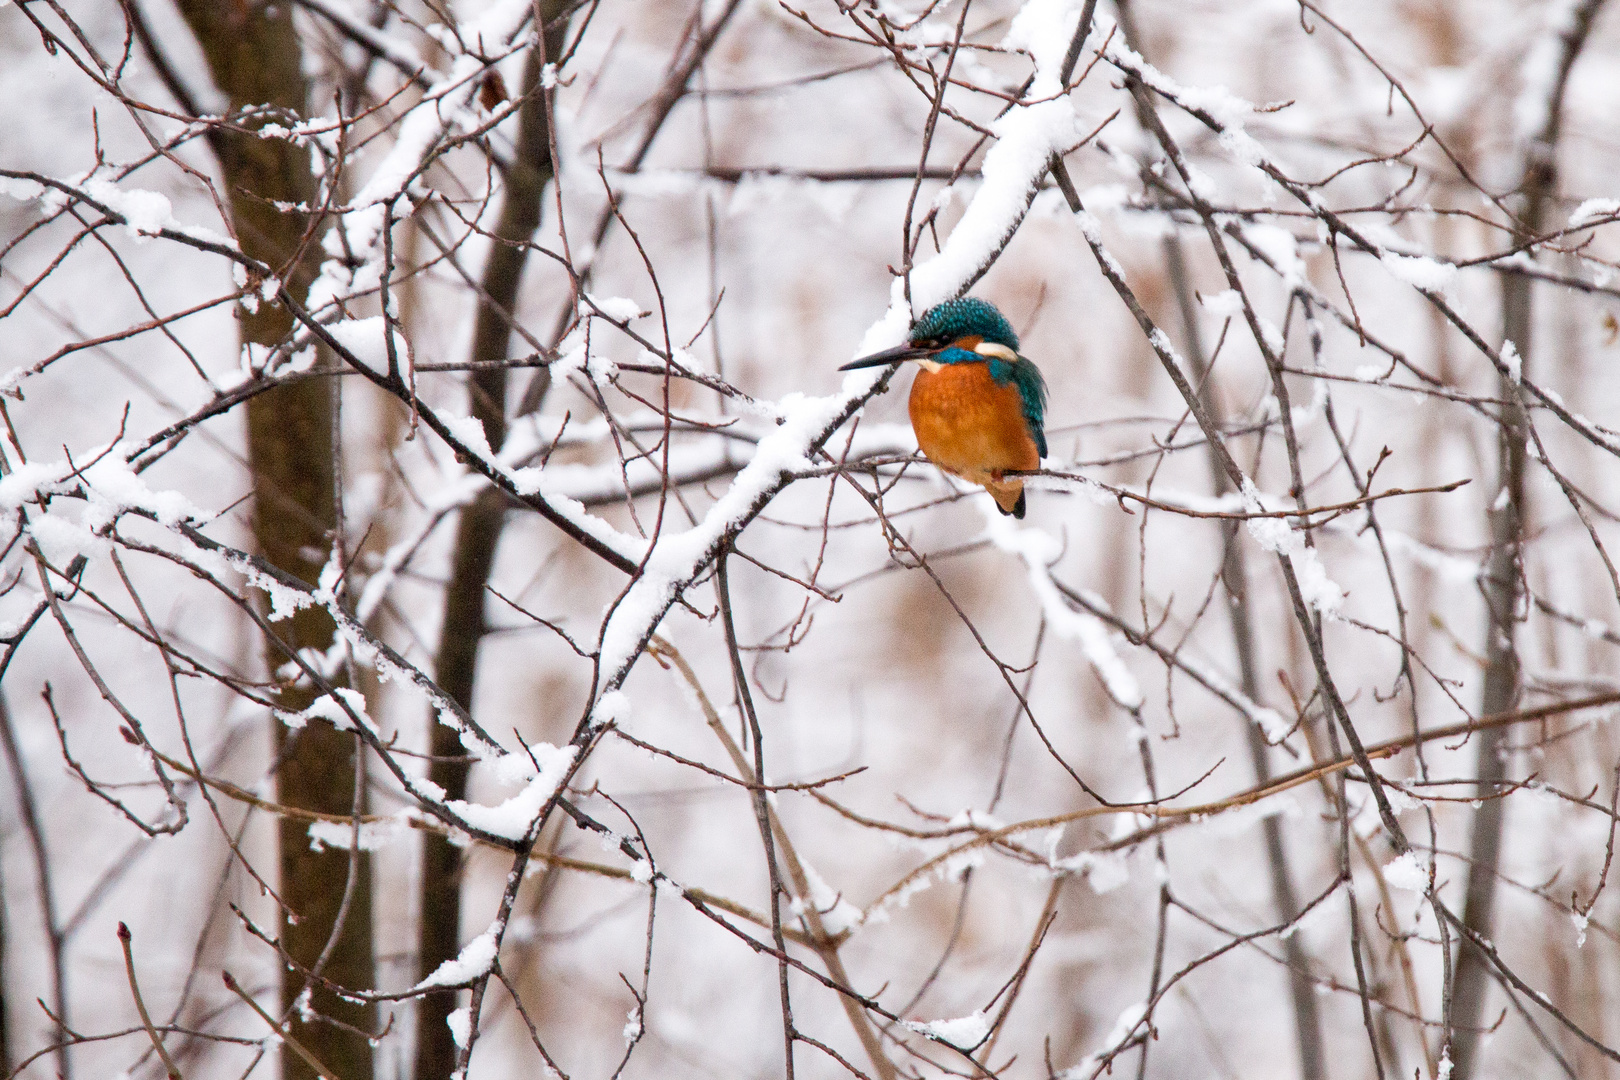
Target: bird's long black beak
column 888, row 356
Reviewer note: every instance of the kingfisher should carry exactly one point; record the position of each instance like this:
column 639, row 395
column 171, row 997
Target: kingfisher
column 978, row 408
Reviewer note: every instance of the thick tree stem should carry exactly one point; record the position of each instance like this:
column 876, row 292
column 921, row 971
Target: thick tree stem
column 1504, row 568
column 478, row 533
column 1501, row 690
column 254, row 55
column 1234, row 577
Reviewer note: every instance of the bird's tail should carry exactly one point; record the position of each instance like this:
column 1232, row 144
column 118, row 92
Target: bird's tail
column 1009, row 496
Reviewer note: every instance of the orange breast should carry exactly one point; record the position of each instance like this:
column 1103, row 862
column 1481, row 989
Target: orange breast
column 968, row 425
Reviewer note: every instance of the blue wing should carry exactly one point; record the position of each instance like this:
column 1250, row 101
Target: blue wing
column 1031, row 388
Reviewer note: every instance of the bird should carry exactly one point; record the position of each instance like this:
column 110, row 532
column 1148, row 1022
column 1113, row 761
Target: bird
column 977, row 407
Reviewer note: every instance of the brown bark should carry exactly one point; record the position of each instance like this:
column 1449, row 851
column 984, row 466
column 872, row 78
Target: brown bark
column 1504, row 572
column 1500, row 693
column 477, row 535
column 254, row 56
column 1234, row 579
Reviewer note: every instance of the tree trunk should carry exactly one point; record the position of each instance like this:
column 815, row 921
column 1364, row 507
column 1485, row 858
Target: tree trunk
column 1235, row 581
column 1501, row 691
column 254, row 55
column 477, row 535
column 1504, row 569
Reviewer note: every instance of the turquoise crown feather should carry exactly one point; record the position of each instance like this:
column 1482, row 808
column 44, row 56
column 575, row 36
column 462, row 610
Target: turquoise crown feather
column 963, row 317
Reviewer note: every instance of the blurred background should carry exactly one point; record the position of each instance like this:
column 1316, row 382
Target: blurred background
column 544, row 279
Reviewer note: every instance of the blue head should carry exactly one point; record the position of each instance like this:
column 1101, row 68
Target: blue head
column 968, row 330
column 964, row 317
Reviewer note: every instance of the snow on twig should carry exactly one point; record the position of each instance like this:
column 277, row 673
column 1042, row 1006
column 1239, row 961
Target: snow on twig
column 353, row 246
column 1028, row 136
column 1039, row 549
column 475, row 960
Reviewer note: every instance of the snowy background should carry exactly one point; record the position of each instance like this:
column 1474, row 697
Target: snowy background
column 975, row 684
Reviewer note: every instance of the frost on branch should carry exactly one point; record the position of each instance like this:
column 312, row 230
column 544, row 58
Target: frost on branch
column 842, row 800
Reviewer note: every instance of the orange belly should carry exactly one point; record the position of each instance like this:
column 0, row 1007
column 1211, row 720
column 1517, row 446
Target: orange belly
column 970, row 426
